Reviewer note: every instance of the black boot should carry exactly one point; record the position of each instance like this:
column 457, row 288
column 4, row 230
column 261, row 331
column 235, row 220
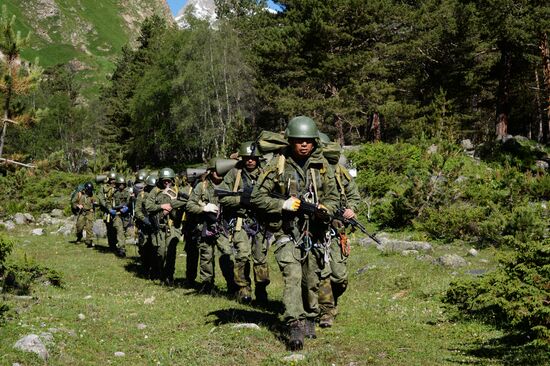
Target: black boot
column 310, row 328
column 296, row 339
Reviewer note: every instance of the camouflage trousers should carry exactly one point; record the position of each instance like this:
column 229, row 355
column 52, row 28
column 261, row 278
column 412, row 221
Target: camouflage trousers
column 111, row 233
column 165, row 242
column 301, row 274
column 118, row 227
column 247, row 248
column 85, row 223
column 207, row 255
column 335, row 279
column 145, row 248
column 192, row 255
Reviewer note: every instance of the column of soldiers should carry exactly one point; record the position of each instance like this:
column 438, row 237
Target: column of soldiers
column 290, row 203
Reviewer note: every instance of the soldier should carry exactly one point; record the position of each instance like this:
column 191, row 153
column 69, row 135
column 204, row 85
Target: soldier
column 204, row 203
column 246, row 236
column 164, row 206
column 119, row 209
column 189, row 222
column 298, row 188
column 144, row 225
column 334, row 285
column 106, row 195
column 83, row 203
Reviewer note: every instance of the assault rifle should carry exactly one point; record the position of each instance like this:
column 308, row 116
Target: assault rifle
column 243, row 193
column 355, row 224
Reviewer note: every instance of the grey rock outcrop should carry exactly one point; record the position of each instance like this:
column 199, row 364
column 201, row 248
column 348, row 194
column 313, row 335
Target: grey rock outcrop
column 32, row 343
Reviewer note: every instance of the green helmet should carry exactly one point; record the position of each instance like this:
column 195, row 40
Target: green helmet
column 141, row 175
column 248, row 149
column 151, row 180
column 120, row 179
column 324, row 138
column 167, row 173
column 111, row 175
column 302, row 127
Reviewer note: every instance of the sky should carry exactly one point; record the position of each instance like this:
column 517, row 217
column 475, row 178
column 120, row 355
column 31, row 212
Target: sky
column 176, row 5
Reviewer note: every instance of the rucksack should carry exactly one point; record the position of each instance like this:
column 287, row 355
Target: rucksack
column 271, row 142
column 76, row 191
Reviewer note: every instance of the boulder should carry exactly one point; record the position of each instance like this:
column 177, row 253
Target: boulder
column 19, row 219
column 29, row 217
column 32, row 343
column 9, row 225
column 451, row 261
column 57, row 213
column 99, row 229
column 38, row 232
column 66, row 229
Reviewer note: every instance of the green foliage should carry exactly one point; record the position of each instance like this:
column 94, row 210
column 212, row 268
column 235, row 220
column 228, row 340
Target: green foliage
column 20, row 277
column 37, row 191
column 514, row 296
column 438, row 190
column 6, row 246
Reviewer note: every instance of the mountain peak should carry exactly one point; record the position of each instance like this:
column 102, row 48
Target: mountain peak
column 202, row 9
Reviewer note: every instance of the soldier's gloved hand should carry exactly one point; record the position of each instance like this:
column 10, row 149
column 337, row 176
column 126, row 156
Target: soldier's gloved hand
column 146, row 221
column 210, row 207
column 124, row 209
column 291, row 204
column 322, row 214
column 112, row 212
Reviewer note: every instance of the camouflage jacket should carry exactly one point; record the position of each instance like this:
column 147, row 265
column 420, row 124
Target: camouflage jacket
column 246, row 180
column 83, row 199
column 347, row 188
column 314, row 182
column 158, row 197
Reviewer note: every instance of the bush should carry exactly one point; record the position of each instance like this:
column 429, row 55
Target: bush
column 515, row 297
column 6, row 246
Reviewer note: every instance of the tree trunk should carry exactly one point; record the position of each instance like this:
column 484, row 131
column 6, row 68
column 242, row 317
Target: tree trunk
column 540, row 119
column 375, row 128
column 503, row 91
column 5, row 122
column 545, row 54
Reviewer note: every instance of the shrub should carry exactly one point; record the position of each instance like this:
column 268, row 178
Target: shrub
column 515, row 297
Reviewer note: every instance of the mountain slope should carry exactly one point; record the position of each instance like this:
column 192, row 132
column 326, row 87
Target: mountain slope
column 87, row 34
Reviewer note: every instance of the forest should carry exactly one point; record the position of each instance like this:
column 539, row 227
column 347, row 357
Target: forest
column 405, row 82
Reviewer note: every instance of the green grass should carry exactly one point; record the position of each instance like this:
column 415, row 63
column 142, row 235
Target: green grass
column 391, row 315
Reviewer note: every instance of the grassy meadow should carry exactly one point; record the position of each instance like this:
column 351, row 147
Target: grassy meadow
column 391, row 314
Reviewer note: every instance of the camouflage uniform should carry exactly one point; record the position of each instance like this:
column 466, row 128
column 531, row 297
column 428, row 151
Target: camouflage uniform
column 145, row 229
column 333, row 286
column 212, row 235
column 85, row 216
column 247, row 237
column 167, row 229
column 189, row 223
column 302, row 244
column 119, row 210
column 104, row 197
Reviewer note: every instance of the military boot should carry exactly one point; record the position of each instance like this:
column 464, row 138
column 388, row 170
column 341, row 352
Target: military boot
column 89, row 244
column 310, row 328
column 260, row 291
column 296, row 338
column 78, row 237
column 244, row 295
column 326, row 320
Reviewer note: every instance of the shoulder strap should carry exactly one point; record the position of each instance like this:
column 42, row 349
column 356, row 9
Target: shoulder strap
column 237, row 180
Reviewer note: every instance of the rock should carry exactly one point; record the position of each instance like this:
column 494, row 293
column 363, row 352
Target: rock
column 432, row 149
column 19, row 219
column 9, row 225
column 67, row 229
column 452, row 261
column 46, row 337
column 541, row 164
column 467, row 144
column 45, row 219
column 149, row 300
column 409, row 252
column 29, row 217
column 57, row 213
column 99, row 229
column 32, row 343
column 120, row 354
column 246, row 326
column 37, row 232
column 295, row 357
column 402, row 245
column 81, row 316
column 141, row 326
column 365, row 268
column 87, row 297
column 473, row 253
